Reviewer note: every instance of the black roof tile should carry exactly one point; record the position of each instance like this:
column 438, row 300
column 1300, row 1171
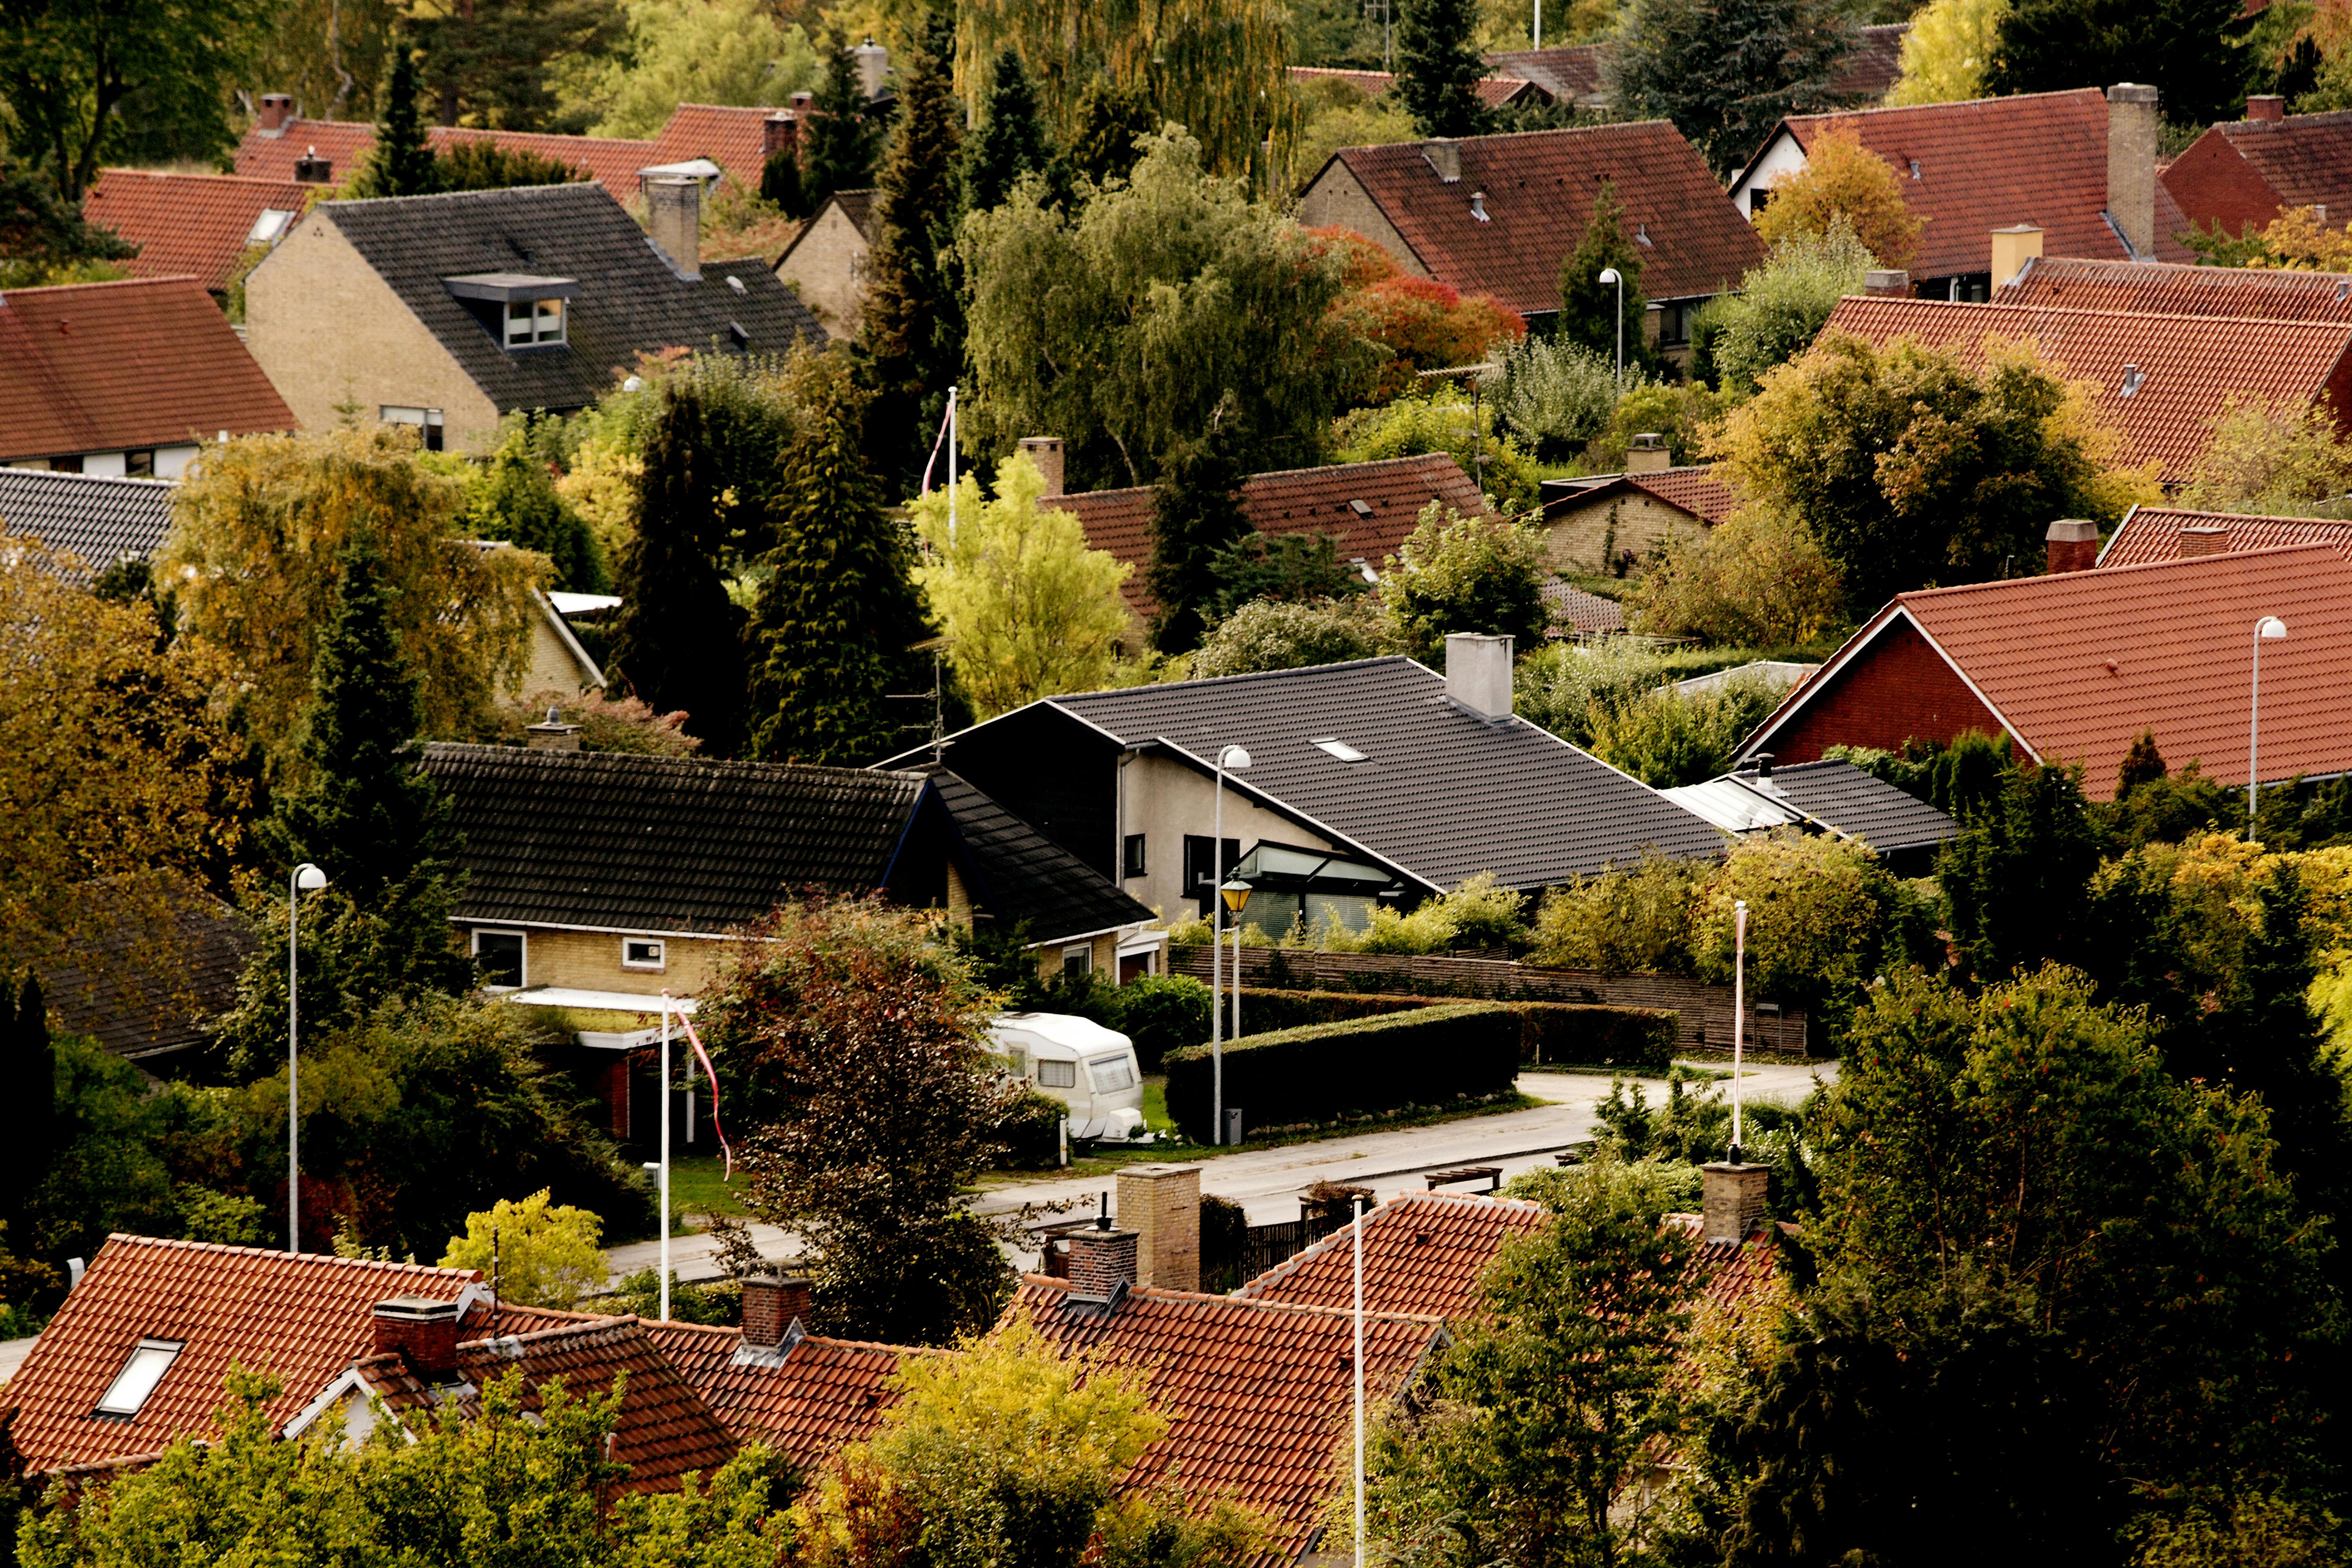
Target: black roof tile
column 160, row 965
column 98, row 520
column 628, row 301
column 1027, row 877
column 1857, row 804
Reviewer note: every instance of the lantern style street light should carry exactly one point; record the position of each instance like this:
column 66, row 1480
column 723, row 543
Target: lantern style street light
column 306, row 879
column 2269, row 628
column 1237, row 758
column 1237, row 896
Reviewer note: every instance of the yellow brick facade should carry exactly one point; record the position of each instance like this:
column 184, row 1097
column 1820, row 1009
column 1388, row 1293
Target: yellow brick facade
column 1161, row 1204
column 827, row 267
column 1587, row 539
column 1337, row 196
column 591, row 961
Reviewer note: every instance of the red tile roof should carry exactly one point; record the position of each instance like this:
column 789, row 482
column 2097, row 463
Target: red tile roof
column 301, row 1318
column 1540, row 188
column 1292, row 500
column 1987, row 163
column 612, row 161
column 1493, row 90
column 2161, row 288
column 822, row 1393
column 2189, row 365
column 2153, row 533
column 665, row 1429
column 266, row 155
column 1423, row 1253
column 1256, row 1394
column 1696, row 489
column 147, row 362
column 2244, row 172
column 196, row 224
column 2079, row 663
column 734, row 139
column 1872, row 67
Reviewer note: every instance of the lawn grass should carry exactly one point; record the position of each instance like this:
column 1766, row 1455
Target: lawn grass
column 697, row 1187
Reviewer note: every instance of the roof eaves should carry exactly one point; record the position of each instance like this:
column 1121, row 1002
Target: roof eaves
column 1852, row 649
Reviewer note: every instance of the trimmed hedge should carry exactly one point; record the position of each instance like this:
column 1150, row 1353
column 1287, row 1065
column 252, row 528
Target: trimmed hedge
column 1270, row 1011
column 1429, row 1056
column 1565, row 1032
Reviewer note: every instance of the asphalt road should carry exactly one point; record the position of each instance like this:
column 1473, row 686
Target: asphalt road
column 1266, row 1182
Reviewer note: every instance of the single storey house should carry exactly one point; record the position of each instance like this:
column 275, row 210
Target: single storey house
column 1833, row 797
column 205, row 225
column 1619, row 525
column 2176, row 288
column 2242, row 173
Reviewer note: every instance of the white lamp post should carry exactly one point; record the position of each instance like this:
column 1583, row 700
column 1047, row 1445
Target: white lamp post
column 1237, row 897
column 306, row 879
column 1738, row 1011
column 1611, row 275
column 1236, row 758
column 1359, row 1380
column 2269, row 628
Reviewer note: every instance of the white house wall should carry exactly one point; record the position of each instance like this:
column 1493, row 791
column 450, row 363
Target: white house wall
column 1164, row 801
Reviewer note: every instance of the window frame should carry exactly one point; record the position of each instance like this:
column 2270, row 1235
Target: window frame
column 1132, row 856
column 523, row 952
column 427, row 420
column 535, row 322
column 1058, row 1066
column 1201, row 874
column 659, row 964
column 108, row 1408
column 1078, row 958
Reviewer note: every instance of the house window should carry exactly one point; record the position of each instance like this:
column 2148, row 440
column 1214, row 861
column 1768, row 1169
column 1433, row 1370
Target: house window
column 128, row 1393
column 140, row 465
column 498, row 955
column 1079, row 959
column 1673, row 323
column 1057, row 1075
column 1756, row 200
column 532, row 321
column 427, row 420
column 1200, row 864
column 1131, row 859
column 644, row 952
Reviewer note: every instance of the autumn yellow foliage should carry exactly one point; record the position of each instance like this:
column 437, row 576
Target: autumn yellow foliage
column 1844, row 179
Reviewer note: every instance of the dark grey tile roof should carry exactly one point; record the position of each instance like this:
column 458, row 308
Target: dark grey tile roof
column 861, row 208
column 150, row 978
column 99, row 520
column 1025, row 877
column 618, row 841
column 628, row 300
column 1856, row 804
column 1443, row 794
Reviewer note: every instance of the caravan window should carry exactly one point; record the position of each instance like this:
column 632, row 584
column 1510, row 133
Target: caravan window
column 1057, row 1075
column 1109, row 1073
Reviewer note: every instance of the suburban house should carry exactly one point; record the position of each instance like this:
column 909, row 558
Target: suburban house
column 2080, row 166
column 1502, row 91
column 825, row 262
column 2161, row 380
column 124, row 378
column 96, row 519
column 1375, row 781
column 2245, row 173
column 1495, row 215
column 205, row 225
column 2072, row 666
column 1619, row 525
column 1368, row 509
column 446, row 312
column 2175, row 289
column 2149, row 533
column 1833, row 797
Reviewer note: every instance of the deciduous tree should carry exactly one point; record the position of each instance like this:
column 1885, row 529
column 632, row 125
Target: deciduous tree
column 1463, row 574
column 1727, row 73
column 541, row 1254
column 1425, row 324
column 515, row 500
column 1843, row 180
column 1947, row 51
column 1782, row 305
column 1270, row 634
column 2266, row 459
column 1760, row 579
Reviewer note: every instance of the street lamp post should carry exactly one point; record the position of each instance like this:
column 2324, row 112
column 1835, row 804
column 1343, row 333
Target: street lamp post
column 1236, row 758
column 306, row 879
column 1611, row 275
column 1738, row 1011
column 1237, row 896
column 2269, row 628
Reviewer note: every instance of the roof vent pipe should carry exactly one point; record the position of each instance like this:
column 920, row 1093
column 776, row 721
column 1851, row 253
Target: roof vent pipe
column 1478, row 206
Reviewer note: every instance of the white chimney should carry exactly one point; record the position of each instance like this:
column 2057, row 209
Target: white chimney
column 674, row 216
column 873, row 66
column 1478, row 673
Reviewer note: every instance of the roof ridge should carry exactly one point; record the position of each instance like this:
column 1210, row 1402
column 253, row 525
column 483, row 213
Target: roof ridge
column 2203, row 269
column 1614, row 127
column 2105, row 573
column 103, row 283
column 1828, row 114
column 207, row 175
column 1246, row 675
column 1415, row 458
column 1242, row 1303
column 2104, row 312
column 548, row 757
column 470, row 1275
column 485, row 197
column 45, row 475
column 619, row 1323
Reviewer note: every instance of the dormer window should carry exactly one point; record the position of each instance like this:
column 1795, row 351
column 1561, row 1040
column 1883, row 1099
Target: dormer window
column 521, row 311
column 534, row 322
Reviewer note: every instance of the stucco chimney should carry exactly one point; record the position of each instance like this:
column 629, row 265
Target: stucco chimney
column 674, row 218
column 772, row 1302
column 1164, row 1203
column 2012, row 248
column 552, row 734
column 1046, row 452
column 2203, row 540
column 1445, row 155
column 421, row 1332
column 1731, row 1200
column 277, row 109
column 1478, row 673
column 1647, row 453
column 873, row 67
column 1891, row 283
column 2131, row 166
column 2268, row 107
column 2073, row 544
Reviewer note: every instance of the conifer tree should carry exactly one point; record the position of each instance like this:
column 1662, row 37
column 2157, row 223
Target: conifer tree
column 1010, row 140
column 401, row 163
column 910, row 331
column 678, row 643
column 836, row 617
column 838, row 153
column 2141, row 765
column 1196, row 514
column 1588, row 310
column 517, row 502
column 28, row 1127
column 780, row 181
column 1438, row 67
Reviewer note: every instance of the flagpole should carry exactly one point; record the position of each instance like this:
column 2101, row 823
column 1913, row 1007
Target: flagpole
column 664, row 1100
column 1359, row 1380
column 952, row 464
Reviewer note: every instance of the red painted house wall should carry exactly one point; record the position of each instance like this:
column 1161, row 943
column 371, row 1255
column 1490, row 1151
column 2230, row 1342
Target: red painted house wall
column 1897, row 688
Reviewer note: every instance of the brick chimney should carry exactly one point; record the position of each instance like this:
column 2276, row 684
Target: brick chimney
column 2012, row 248
column 1047, row 452
column 1478, row 673
column 277, row 109
column 674, row 218
column 1648, row 453
column 773, row 1301
column 1731, row 1200
column 310, row 169
column 1164, row 1202
column 1101, row 1261
column 2131, row 166
column 780, row 132
column 553, row 734
column 421, row 1332
column 2073, row 544
column 1888, row 282
column 2203, row 540
column 2268, row 108
column 1445, row 155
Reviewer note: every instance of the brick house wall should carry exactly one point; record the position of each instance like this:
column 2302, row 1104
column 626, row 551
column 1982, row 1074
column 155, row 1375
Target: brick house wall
column 2210, row 182
column 591, row 961
column 826, row 267
column 1337, row 196
column 1586, row 538
column 1897, row 688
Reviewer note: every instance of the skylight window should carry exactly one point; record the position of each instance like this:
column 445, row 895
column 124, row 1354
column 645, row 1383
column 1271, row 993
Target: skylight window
column 1340, row 749
column 269, row 226
column 137, row 1380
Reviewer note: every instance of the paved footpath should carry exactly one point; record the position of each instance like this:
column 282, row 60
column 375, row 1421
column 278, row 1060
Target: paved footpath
column 1266, row 1182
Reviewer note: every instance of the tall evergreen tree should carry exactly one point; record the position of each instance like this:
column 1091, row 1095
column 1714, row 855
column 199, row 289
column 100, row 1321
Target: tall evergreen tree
column 1108, row 119
column 2192, row 51
column 910, row 331
column 838, row 613
column 28, row 1126
column 1725, row 71
column 1438, row 67
column 838, row 153
column 679, row 641
column 1011, row 141
column 1196, row 515
column 401, row 163
column 780, row 181
column 1589, row 309
column 360, row 810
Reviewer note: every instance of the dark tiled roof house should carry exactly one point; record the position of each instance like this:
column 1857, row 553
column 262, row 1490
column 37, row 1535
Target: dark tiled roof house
column 1836, row 798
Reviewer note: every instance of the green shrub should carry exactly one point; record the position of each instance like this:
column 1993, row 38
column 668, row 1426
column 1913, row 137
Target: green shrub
column 1269, row 634
column 1433, row 1056
column 1441, row 422
column 1595, row 1036
column 1561, row 686
column 1631, row 920
column 1668, row 738
column 1032, row 1132
column 1224, row 1242
column 1160, row 1012
column 1269, row 1011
